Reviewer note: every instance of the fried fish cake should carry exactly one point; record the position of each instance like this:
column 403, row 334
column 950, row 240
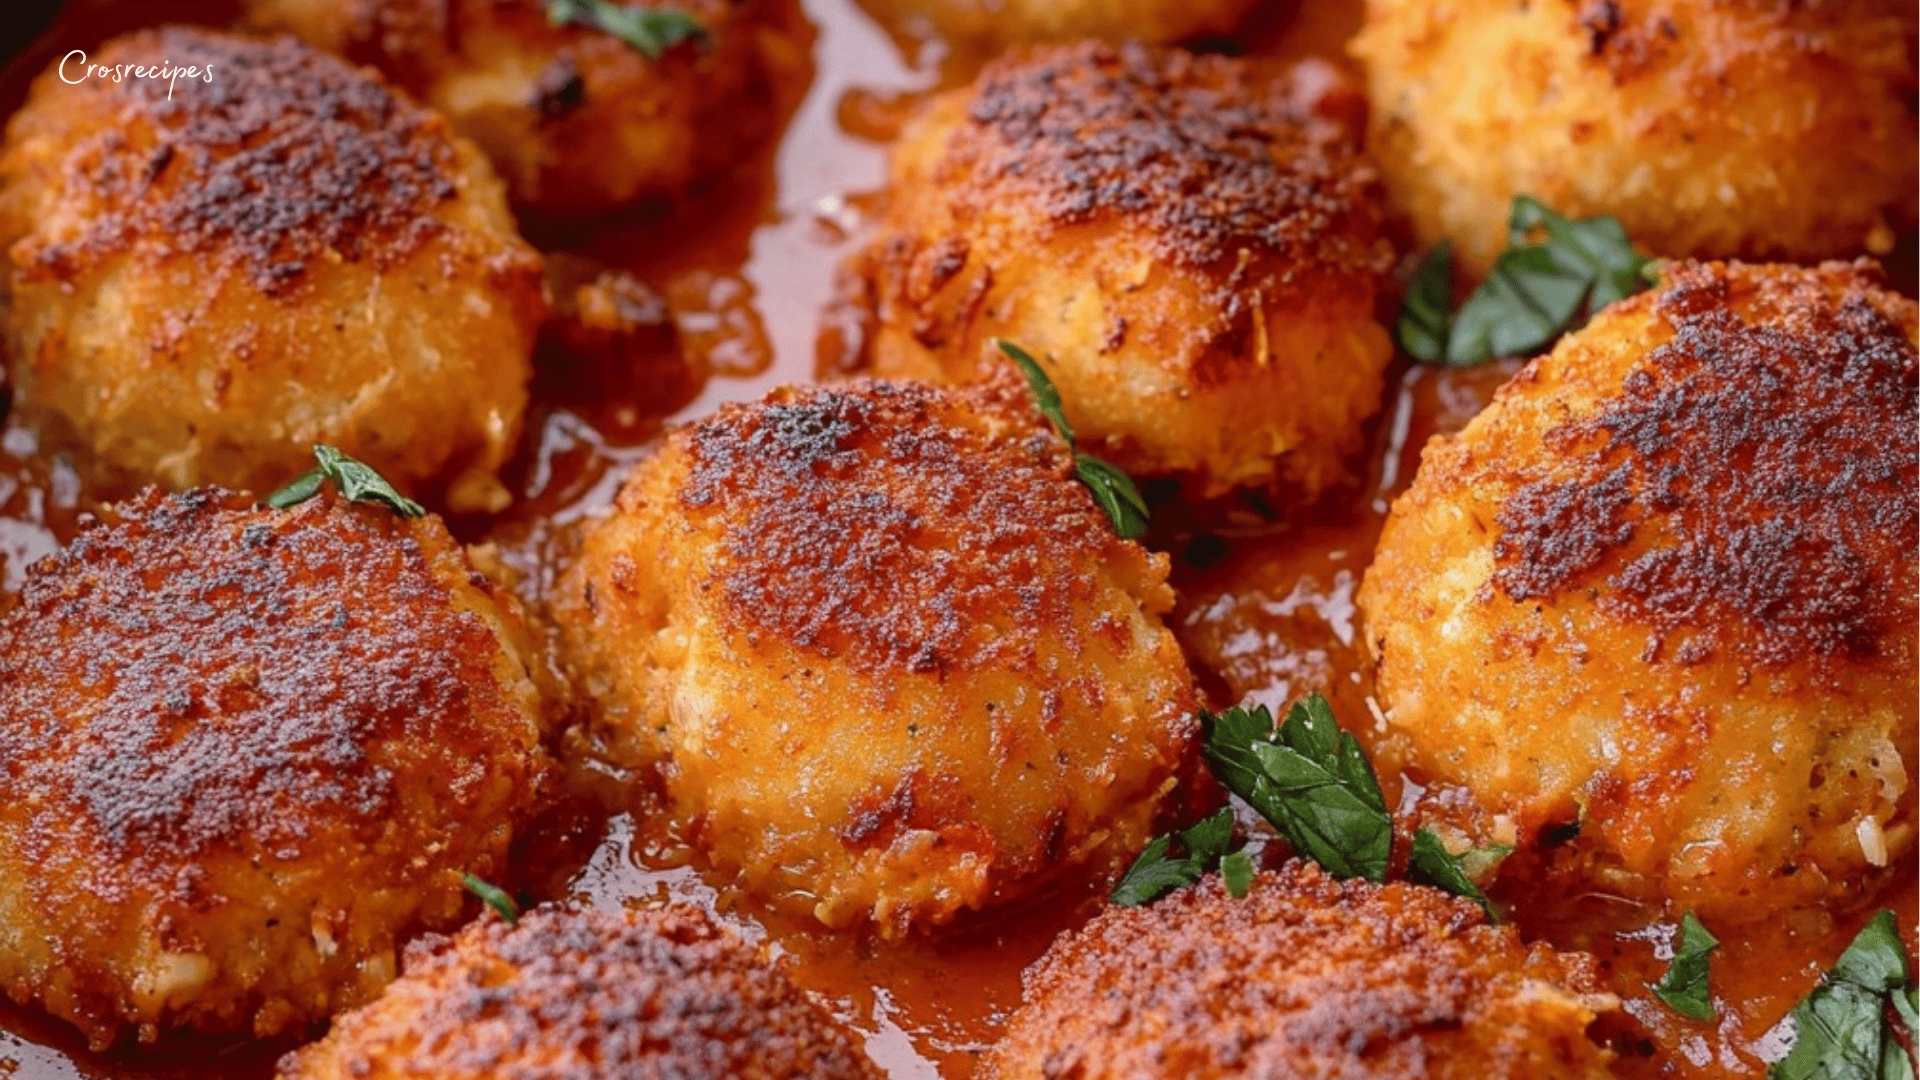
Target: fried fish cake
column 889, row 658
column 1662, row 591
column 579, row 994
column 209, row 275
column 987, row 23
column 1713, row 129
column 1190, row 245
column 244, row 754
column 578, row 120
column 1307, row 978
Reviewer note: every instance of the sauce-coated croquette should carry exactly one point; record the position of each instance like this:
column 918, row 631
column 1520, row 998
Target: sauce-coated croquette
column 1305, row 978
column 577, row 120
column 289, row 253
column 1190, row 245
column 1660, row 596
column 244, row 754
column 988, row 23
column 890, row 658
column 578, row 994
column 1714, row 129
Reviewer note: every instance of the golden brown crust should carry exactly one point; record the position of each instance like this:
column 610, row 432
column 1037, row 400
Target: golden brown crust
column 1760, row 480
column 283, row 156
column 1664, row 589
column 580, row 994
column 229, row 732
column 577, row 120
column 1710, row 128
column 1304, row 977
column 911, row 571
column 1191, row 244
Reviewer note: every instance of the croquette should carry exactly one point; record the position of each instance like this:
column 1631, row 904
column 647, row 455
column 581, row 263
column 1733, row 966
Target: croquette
column 206, row 284
column 1190, row 245
column 886, row 654
column 576, row 119
column 1711, row 129
column 1306, row 978
column 579, row 994
column 989, row 23
column 1660, row 596
column 244, row 754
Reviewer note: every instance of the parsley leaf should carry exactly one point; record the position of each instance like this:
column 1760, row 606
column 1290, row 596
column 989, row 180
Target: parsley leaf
column 493, row 896
column 1841, row 1031
column 1431, row 864
column 1422, row 328
column 1309, row 779
column 1536, row 290
column 1112, row 488
column 358, row 482
column 1237, row 869
column 651, row 31
column 1156, row 873
column 1685, row 988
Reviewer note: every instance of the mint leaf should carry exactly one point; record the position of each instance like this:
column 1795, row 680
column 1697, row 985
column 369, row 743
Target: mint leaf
column 1111, row 487
column 357, row 481
column 1422, row 326
column 1685, row 987
column 1841, row 1030
column 650, row 31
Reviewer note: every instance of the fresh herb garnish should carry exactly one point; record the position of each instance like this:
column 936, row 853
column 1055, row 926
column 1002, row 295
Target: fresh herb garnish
column 651, row 31
column 1685, row 987
column 1842, row 1030
column 1309, row 779
column 1430, row 863
column 1111, row 487
column 1536, row 290
column 1158, row 872
column 357, row 482
column 493, row 896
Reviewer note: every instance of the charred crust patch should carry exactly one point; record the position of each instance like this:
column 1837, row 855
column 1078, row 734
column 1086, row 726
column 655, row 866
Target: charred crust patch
column 1758, row 469
column 196, row 676
column 894, row 526
column 1212, row 156
column 287, row 155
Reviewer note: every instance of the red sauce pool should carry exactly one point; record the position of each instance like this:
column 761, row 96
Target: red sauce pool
column 747, row 271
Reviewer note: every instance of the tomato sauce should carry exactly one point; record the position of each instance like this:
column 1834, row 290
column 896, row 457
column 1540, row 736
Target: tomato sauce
column 747, row 271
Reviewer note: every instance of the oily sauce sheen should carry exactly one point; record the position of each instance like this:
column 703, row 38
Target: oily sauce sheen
column 739, row 295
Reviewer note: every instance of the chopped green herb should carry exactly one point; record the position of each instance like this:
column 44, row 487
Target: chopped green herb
column 1841, row 1031
column 1431, row 864
column 651, row 31
column 1309, row 779
column 357, row 481
column 1685, row 987
column 1157, row 872
column 1111, row 487
column 1237, row 869
column 1422, row 328
column 1537, row 289
column 493, row 896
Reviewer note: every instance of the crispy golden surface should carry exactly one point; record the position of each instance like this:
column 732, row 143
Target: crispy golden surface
column 1190, row 245
column 572, row 994
column 244, row 754
column 1665, row 587
column 575, row 119
column 1711, row 128
column 1304, row 978
column 203, row 287
column 888, row 655
column 1003, row 22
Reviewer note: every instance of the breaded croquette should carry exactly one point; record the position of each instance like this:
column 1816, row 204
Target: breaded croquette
column 1710, row 128
column 1662, row 593
column 989, row 23
column 1306, row 978
column 288, row 253
column 889, row 657
column 244, row 754
column 577, row 119
column 579, row 994
column 1190, row 245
